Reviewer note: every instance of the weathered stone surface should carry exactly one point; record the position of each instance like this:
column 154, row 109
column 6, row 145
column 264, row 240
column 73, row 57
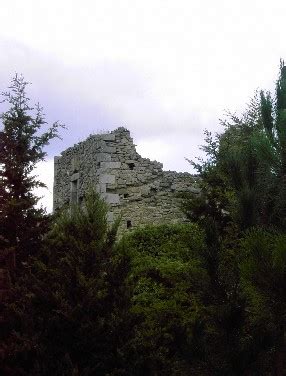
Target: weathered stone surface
column 110, row 217
column 137, row 189
column 107, row 179
column 75, row 164
column 110, row 165
column 111, row 198
column 108, row 137
column 100, row 188
column 107, row 149
column 75, row 177
column 103, row 157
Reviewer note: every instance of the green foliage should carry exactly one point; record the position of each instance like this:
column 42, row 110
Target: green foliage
column 243, row 188
column 21, row 148
column 255, row 163
column 74, row 305
column 263, row 281
column 186, row 303
column 265, row 253
column 169, row 283
column 244, row 174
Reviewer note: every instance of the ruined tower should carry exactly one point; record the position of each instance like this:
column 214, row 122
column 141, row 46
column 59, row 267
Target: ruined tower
column 135, row 188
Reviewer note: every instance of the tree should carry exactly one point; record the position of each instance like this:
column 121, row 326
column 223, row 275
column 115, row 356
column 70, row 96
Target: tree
column 169, row 284
column 21, row 148
column 244, row 198
column 263, row 281
column 252, row 159
column 245, row 173
column 71, row 317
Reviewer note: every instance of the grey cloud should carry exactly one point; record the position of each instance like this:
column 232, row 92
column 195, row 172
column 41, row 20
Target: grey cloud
column 100, row 97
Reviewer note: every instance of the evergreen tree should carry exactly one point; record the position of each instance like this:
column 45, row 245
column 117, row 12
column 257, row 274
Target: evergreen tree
column 21, row 148
column 72, row 317
column 243, row 189
column 243, row 178
column 263, row 281
column 251, row 158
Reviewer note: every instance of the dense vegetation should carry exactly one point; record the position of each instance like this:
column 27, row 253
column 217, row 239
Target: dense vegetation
column 204, row 298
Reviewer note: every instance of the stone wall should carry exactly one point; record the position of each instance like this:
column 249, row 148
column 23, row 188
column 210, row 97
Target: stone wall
column 135, row 188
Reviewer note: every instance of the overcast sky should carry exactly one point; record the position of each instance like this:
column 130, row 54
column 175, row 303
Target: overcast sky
column 166, row 70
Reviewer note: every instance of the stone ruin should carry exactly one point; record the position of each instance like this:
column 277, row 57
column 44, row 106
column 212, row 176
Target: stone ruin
column 135, row 188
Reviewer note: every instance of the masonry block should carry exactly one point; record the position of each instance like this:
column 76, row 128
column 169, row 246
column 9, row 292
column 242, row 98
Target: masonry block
column 110, row 217
column 107, row 179
column 111, row 165
column 111, row 198
column 107, row 149
column 100, row 188
column 74, row 177
column 103, row 157
column 108, row 137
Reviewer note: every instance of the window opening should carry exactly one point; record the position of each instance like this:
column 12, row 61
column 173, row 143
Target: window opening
column 131, row 166
column 128, row 224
